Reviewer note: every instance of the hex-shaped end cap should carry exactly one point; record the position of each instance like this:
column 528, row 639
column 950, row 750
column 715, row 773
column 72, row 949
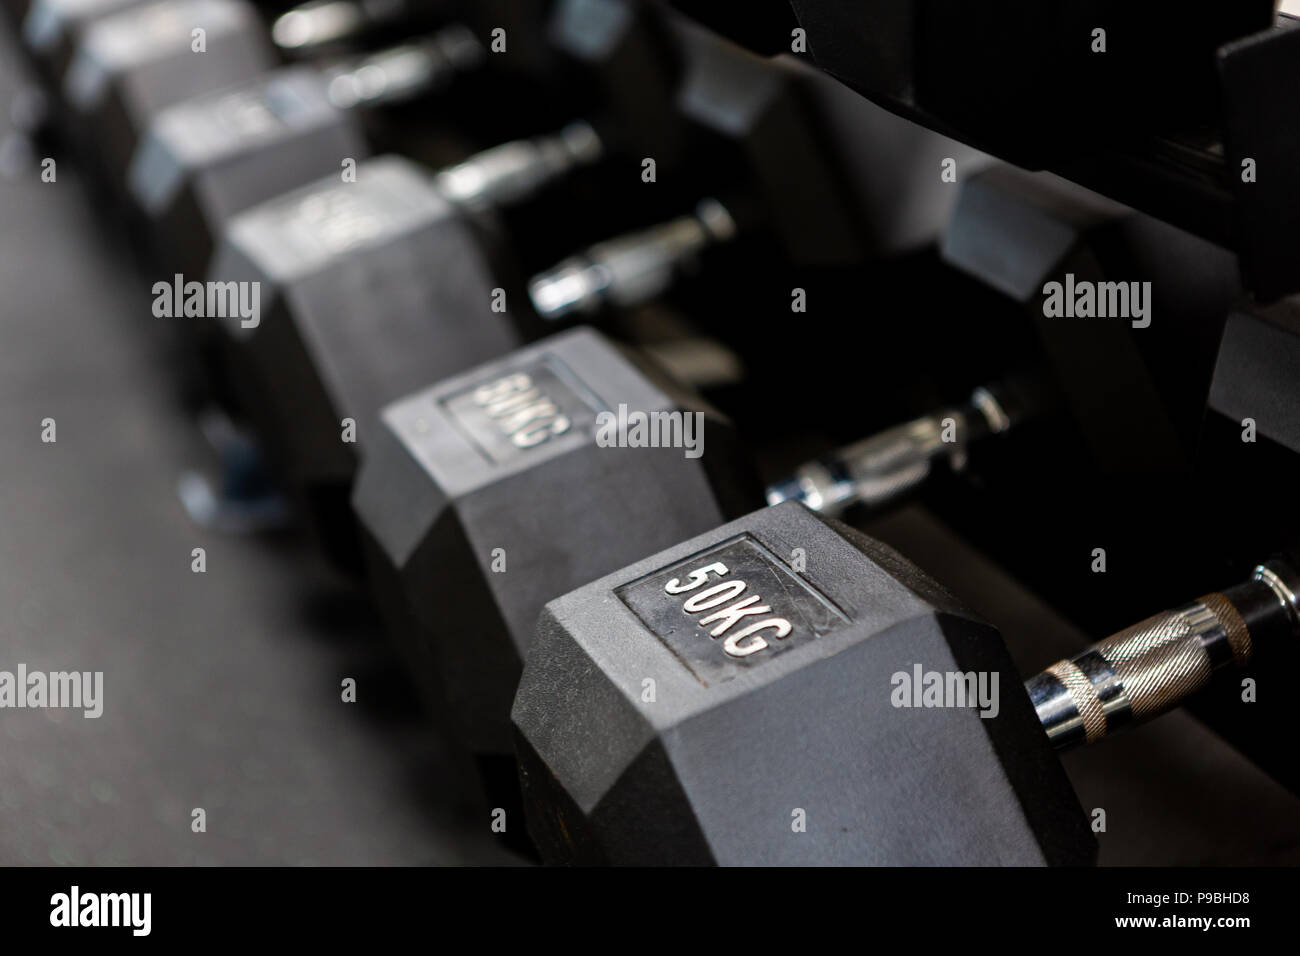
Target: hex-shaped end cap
column 53, row 29
column 761, row 127
column 502, row 488
column 210, row 157
column 137, row 62
column 629, row 66
column 1257, row 370
column 783, row 690
column 369, row 290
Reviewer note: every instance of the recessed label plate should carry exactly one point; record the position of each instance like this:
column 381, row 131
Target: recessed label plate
column 730, row 608
column 517, row 410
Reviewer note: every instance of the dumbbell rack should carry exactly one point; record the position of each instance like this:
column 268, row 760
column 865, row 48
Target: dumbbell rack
column 266, row 638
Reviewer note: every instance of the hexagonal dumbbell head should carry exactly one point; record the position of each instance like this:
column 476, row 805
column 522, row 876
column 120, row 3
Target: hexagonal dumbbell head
column 210, row 157
column 53, row 29
column 783, row 690
column 1082, row 269
column 625, row 67
column 493, row 492
column 767, row 147
column 368, row 290
column 1258, row 360
column 135, row 63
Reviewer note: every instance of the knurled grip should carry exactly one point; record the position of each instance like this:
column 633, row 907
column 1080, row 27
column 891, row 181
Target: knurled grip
column 1140, row 672
column 1086, row 702
column 1163, row 660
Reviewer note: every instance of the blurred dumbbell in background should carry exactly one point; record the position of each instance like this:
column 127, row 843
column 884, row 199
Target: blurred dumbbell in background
column 413, row 252
column 210, row 157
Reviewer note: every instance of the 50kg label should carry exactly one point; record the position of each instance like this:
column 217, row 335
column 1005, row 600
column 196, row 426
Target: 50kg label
column 730, row 608
column 745, row 641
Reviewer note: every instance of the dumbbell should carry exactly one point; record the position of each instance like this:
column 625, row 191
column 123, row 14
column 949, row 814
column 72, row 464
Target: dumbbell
column 784, row 668
column 607, row 54
column 879, row 470
column 492, row 492
column 367, row 291
column 769, row 173
column 482, row 497
column 428, row 282
column 54, row 29
column 208, row 158
column 205, row 159
column 127, row 66
column 51, row 30
column 130, row 65
column 1017, row 233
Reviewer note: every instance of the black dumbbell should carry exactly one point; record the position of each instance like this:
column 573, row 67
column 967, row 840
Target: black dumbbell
column 53, row 29
column 119, row 62
column 1256, row 370
column 130, row 65
column 369, row 290
column 189, row 178
column 759, row 145
column 438, row 303
column 1019, row 233
column 205, row 159
column 785, row 690
column 489, row 494
column 768, row 171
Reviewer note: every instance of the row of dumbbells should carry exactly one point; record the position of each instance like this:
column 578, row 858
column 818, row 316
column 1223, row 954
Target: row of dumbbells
column 659, row 717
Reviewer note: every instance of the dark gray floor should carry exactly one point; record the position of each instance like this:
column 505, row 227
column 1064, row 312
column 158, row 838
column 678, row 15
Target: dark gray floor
column 222, row 689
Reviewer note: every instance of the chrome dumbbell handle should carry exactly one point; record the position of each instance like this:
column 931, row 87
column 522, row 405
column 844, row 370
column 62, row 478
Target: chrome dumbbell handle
column 880, row 469
column 320, row 23
column 521, row 168
column 631, row 269
column 403, row 72
column 1153, row 667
